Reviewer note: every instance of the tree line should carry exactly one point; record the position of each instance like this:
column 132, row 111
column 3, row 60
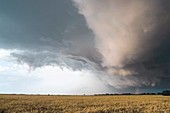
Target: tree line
column 164, row 93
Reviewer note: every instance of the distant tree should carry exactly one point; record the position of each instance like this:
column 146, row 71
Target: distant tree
column 166, row 93
column 159, row 93
column 126, row 94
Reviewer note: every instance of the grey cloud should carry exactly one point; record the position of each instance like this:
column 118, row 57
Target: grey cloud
column 37, row 59
column 109, row 37
column 133, row 38
column 47, row 32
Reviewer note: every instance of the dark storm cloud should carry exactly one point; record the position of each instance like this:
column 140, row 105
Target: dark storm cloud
column 46, row 32
column 134, row 39
column 26, row 23
column 126, row 43
column 153, row 66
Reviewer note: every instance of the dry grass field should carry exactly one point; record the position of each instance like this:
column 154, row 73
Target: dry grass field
column 84, row 104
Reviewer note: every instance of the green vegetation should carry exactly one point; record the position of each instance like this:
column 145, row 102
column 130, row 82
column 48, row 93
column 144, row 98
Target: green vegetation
column 84, row 104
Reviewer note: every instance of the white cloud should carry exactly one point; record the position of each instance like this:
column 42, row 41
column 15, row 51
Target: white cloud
column 4, row 53
column 47, row 79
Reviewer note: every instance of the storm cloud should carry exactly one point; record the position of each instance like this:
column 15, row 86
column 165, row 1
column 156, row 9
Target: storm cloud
column 125, row 43
column 47, row 33
column 132, row 36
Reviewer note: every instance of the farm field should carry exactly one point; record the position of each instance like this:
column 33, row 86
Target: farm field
column 84, row 104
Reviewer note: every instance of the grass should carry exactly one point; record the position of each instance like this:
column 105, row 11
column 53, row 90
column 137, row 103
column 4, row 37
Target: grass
column 84, row 104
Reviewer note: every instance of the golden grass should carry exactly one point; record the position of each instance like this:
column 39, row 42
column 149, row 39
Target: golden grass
column 84, row 104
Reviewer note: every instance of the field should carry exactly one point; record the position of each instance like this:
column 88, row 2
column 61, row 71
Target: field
column 84, row 104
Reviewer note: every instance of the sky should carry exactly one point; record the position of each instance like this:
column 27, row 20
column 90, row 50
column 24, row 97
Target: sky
column 84, row 46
